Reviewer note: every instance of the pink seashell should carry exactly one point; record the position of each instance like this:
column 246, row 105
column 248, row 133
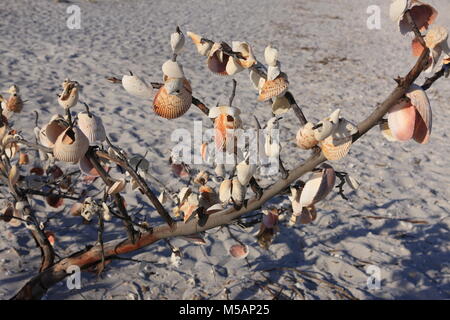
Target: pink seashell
column 239, row 251
column 401, row 120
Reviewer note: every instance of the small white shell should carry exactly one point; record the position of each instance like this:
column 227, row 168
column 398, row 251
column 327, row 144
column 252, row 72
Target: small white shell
column 71, row 145
column 246, row 50
column 233, row 66
column 245, row 172
column 318, row 187
column 174, row 85
column 68, row 99
column 202, row 48
column 329, row 124
column 177, row 41
column 238, row 192
column 92, row 127
column 117, row 186
column 137, row 87
column 397, row 9
column 225, row 190
column 172, row 69
column 273, row 72
column 271, row 56
column 305, row 137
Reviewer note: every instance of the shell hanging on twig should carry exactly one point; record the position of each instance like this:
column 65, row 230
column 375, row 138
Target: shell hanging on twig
column 226, row 120
column 69, row 97
column 274, row 88
column 87, row 168
column 177, row 41
column 218, row 60
column 436, row 41
column 326, row 127
column 421, row 13
column 14, row 103
column 92, row 127
column 246, row 51
column 271, row 55
column 204, row 48
column 71, row 145
column 172, row 69
column 171, row 106
column 337, row 145
column 305, row 137
column 50, row 133
column 117, row 186
column 225, row 190
column 238, row 192
column 137, row 87
column 318, row 186
column 245, row 171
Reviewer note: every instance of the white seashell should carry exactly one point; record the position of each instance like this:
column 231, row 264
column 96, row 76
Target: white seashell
column 172, row 69
column 233, row 66
column 318, row 187
column 106, row 212
column 245, row 172
column 69, row 96
column 344, row 130
column 271, row 56
column 328, row 125
column 71, row 145
column 305, row 137
column 273, row 72
column 202, row 48
column 397, row 9
column 137, row 87
column 352, row 182
column 246, row 51
column 255, row 78
column 238, row 192
column 217, row 111
column 174, row 86
column 184, row 194
column 163, row 197
column 177, row 41
column 225, row 190
column 220, row 170
column 14, row 175
column 117, row 186
column 92, row 127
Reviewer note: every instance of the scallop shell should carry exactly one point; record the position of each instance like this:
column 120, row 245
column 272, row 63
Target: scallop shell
column 233, row 66
column 274, row 88
column 305, row 137
column 318, row 187
column 202, row 48
column 171, row 106
column 328, row 125
column 69, row 97
column 50, row 133
column 71, row 145
column 87, row 168
column 218, row 60
column 245, row 172
column 225, row 190
column 246, row 51
column 117, row 186
column 271, row 56
column 173, row 69
column 137, row 87
column 335, row 149
column 238, row 192
column 401, row 120
column 92, row 127
column 14, row 103
column 177, row 41
column 238, row 251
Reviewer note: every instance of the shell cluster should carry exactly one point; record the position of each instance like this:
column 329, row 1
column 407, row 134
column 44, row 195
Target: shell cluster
column 276, row 84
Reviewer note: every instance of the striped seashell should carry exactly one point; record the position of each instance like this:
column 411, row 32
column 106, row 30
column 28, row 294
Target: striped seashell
column 117, row 186
column 335, row 149
column 172, row 69
column 238, row 192
column 87, row 168
column 71, row 145
column 14, row 103
column 305, row 137
column 274, row 88
column 225, row 190
column 69, row 96
column 246, row 51
column 204, row 48
column 271, row 56
column 172, row 106
column 137, row 87
column 177, row 41
column 92, row 127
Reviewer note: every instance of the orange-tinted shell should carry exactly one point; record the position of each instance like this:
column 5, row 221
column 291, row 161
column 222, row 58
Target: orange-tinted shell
column 335, row 149
column 173, row 106
column 273, row 88
column 14, row 104
column 402, row 119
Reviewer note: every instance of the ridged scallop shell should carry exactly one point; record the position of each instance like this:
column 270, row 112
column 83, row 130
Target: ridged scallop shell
column 271, row 56
column 225, row 190
column 238, row 192
column 87, row 167
column 172, row 106
column 305, row 137
column 172, row 69
column 14, row 103
column 71, row 145
column 273, row 88
column 117, row 186
column 246, row 51
column 92, row 127
column 335, row 149
column 50, row 133
column 137, row 87
column 202, row 48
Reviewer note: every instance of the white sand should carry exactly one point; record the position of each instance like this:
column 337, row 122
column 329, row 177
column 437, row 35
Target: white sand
column 401, row 180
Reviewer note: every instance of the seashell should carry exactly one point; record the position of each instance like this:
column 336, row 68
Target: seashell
column 14, row 213
column 204, row 48
column 14, row 175
column 326, row 127
column 305, row 137
column 219, row 170
column 271, row 55
column 401, row 120
column 273, row 72
column 225, row 190
column 435, row 36
column 422, row 14
column 137, row 87
column 318, row 187
column 14, row 103
column 352, row 182
column 184, row 194
column 233, row 66
column 218, row 60
column 423, row 119
column 106, row 212
column 255, row 79
column 215, row 208
column 238, row 251
column 92, row 127
column 308, row 215
column 397, row 9
column 245, row 172
column 224, row 126
column 54, row 200
column 69, row 96
column 386, row 131
column 171, row 106
column 117, row 186
column 172, row 69
column 87, row 167
column 177, row 41
column 246, row 51
column 189, row 207
column 23, row 158
column 335, row 149
column 71, row 145
column 280, row 105
column 274, row 88
column 201, row 178
column 50, row 133
column 51, row 237
column 238, row 192
column 217, row 111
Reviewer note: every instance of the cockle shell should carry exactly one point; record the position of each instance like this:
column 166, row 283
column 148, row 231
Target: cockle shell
column 238, row 192
column 137, row 87
column 318, row 186
column 14, row 103
column 117, row 186
column 71, row 145
column 305, row 137
column 177, row 41
column 280, row 105
column 422, row 14
column 69, row 96
column 246, row 51
column 92, row 127
column 401, row 120
column 50, row 133
column 233, row 66
column 274, row 88
column 337, row 145
column 328, row 125
column 202, row 48
column 225, row 190
column 238, row 251
column 172, row 69
column 245, row 171
column 271, row 56
column 218, row 60
column 171, row 106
